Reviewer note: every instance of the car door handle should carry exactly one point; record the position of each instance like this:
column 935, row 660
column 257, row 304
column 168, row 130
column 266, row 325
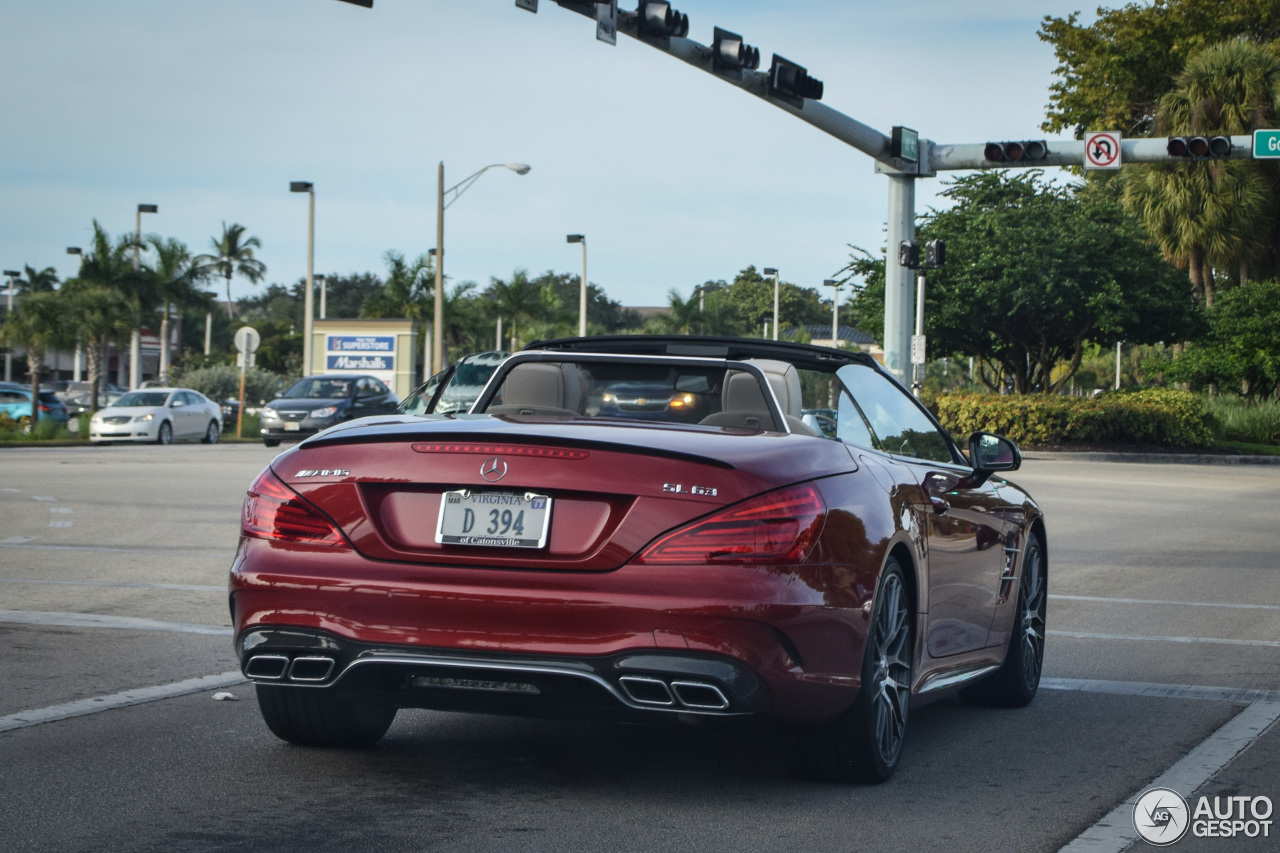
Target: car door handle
column 940, row 505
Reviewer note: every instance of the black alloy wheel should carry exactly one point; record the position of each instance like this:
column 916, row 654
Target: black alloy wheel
column 1014, row 685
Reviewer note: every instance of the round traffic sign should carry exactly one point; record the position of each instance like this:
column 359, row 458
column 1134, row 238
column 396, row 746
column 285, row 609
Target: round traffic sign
column 247, row 339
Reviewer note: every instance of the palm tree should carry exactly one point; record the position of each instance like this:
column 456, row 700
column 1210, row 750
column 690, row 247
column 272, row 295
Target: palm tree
column 233, row 255
column 1214, row 214
column 407, row 290
column 521, row 301
column 109, row 267
column 38, row 324
column 178, row 277
column 37, row 281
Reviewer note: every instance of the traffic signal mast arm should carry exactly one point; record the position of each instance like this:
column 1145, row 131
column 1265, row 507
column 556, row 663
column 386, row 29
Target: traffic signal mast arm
column 1063, row 152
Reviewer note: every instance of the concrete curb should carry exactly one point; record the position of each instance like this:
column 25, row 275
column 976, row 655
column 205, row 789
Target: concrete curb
column 1157, row 458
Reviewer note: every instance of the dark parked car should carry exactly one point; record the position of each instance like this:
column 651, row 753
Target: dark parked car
column 314, row 403
column 536, row 557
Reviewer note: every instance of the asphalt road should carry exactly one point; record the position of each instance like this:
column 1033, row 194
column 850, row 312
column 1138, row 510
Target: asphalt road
column 1163, row 664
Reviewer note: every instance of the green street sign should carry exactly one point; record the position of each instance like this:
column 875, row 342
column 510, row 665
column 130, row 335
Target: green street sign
column 1266, row 144
column 904, row 143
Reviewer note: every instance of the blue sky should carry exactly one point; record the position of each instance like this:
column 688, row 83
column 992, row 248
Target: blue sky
column 210, row 109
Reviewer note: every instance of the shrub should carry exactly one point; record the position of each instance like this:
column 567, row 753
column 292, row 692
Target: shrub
column 1235, row 419
column 220, row 382
column 1154, row 416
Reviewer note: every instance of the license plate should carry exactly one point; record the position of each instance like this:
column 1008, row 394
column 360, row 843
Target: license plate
column 292, row 426
column 493, row 519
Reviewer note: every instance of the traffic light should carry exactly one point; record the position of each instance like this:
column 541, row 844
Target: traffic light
column 659, row 19
column 1199, row 147
column 908, row 255
column 1016, row 152
column 935, row 254
column 729, row 51
column 791, row 83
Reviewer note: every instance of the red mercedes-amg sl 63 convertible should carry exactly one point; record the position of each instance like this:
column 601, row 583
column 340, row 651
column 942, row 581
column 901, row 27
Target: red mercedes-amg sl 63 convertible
column 546, row 554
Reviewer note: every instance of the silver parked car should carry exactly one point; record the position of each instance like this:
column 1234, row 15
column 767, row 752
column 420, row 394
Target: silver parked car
column 159, row 416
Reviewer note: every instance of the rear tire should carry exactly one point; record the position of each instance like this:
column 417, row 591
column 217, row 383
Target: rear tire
column 211, row 433
column 865, row 743
column 315, row 716
column 1015, row 683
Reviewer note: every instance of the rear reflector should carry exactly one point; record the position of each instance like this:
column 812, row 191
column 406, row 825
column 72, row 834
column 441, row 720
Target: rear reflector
column 274, row 511
column 779, row 526
column 502, row 450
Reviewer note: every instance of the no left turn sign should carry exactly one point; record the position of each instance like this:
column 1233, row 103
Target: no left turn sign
column 1102, row 150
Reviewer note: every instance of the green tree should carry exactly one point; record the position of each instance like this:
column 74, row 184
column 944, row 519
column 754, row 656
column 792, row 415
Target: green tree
column 178, row 279
column 36, row 281
column 1242, row 347
column 39, row 324
column 233, row 255
column 408, row 290
column 109, row 266
column 523, row 303
column 1035, row 272
column 1112, row 73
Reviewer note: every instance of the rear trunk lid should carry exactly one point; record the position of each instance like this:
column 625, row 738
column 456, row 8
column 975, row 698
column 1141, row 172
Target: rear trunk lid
column 613, row 488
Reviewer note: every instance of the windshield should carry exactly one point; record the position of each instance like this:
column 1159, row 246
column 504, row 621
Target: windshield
column 143, row 398
column 320, row 388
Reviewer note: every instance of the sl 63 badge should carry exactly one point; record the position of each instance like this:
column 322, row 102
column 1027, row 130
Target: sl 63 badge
column 680, row 489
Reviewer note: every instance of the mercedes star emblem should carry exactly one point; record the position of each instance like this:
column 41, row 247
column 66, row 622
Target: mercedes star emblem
column 493, row 469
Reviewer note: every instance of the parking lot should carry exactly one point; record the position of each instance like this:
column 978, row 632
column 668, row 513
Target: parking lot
column 1162, row 663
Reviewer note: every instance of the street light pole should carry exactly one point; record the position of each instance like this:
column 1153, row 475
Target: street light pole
column 835, row 311
column 773, row 272
column 582, row 285
column 308, row 302
column 135, row 339
column 8, row 356
column 437, row 355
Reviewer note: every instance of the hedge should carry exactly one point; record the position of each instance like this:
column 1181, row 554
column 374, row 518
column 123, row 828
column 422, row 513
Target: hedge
column 1153, row 416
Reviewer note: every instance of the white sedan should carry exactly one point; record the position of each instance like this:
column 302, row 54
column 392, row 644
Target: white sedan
column 158, row 415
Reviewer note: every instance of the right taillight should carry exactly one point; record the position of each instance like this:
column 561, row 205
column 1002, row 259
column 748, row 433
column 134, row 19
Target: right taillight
column 274, row 511
column 777, row 527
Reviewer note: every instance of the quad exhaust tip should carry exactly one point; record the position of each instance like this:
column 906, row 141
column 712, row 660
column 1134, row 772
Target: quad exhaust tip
column 306, row 670
column 654, row 692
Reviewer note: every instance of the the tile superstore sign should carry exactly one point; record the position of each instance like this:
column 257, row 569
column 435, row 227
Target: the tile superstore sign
column 363, row 353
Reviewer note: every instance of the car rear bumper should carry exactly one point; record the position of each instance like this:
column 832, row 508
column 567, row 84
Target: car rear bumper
column 639, row 640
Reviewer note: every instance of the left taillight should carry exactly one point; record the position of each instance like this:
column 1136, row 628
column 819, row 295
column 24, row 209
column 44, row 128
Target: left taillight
column 780, row 526
column 274, row 511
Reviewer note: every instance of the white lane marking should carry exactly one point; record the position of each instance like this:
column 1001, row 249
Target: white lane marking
column 15, row 491
column 1163, row 603
column 184, row 586
column 1221, row 641
column 124, row 699
column 20, row 542
column 1115, row 832
column 62, row 524
column 95, row 620
column 1162, row 691
column 63, row 510
column 43, row 498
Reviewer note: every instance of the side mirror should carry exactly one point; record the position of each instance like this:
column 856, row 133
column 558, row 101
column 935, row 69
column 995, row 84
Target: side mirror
column 989, row 453
column 277, row 395
column 177, row 404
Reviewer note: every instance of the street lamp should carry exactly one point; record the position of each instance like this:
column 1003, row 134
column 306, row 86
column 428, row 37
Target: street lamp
column 8, row 356
column 773, row 272
column 835, row 310
column 324, row 288
column 77, row 372
column 135, row 339
column 437, row 355
column 308, row 302
column 582, row 286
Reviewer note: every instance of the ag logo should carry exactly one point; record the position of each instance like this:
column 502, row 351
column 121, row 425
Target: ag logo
column 1161, row 816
